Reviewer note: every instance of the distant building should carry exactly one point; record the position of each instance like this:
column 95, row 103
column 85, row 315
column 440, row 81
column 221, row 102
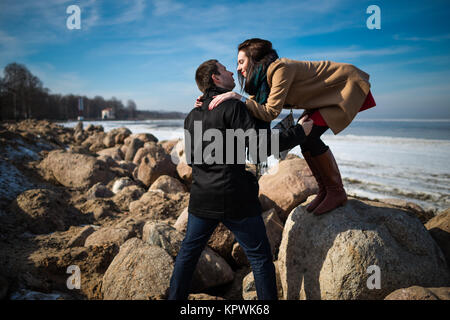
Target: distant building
column 107, row 113
column 80, row 109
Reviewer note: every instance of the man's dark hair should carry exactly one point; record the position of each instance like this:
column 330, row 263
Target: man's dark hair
column 203, row 75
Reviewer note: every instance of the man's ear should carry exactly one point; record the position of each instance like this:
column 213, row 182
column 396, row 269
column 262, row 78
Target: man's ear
column 215, row 79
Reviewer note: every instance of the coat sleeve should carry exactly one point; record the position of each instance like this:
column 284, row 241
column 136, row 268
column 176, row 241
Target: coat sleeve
column 240, row 118
column 187, row 142
column 282, row 79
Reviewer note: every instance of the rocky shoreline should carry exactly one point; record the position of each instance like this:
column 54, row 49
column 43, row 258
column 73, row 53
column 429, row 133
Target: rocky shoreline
column 114, row 204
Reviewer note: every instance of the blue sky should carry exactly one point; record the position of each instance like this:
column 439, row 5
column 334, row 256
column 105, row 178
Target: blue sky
column 149, row 50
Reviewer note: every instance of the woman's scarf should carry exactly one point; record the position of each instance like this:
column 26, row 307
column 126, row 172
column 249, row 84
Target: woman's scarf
column 258, row 85
column 260, row 89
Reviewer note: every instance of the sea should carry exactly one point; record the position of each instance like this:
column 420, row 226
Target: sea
column 406, row 159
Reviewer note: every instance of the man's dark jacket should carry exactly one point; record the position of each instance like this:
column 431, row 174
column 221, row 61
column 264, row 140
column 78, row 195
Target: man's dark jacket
column 226, row 191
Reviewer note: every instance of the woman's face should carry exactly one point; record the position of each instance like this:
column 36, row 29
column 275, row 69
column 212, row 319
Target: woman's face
column 242, row 63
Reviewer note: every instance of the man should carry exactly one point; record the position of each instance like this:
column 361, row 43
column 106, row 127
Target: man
column 222, row 191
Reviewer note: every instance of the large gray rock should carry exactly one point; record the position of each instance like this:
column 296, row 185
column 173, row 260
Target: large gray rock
column 94, row 142
column 125, row 196
column 420, row 293
column 274, row 231
column 75, row 170
column 107, row 235
column 249, row 287
column 132, row 148
column 116, row 136
column 79, row 239
column 439, row 228
column 182, row 220
column 212, row 270
column 178, row 157
column 155, row 163
column 328, row 257
column 44, row 211
column 168, row 184
column 294, row 178
column 158, row 205
column 138, row 272
column 113, row 152
column 121, row 183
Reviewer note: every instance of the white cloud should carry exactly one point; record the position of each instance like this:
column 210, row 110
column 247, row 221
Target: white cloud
column 438, row 38
column 165, row 7
column 354, row 52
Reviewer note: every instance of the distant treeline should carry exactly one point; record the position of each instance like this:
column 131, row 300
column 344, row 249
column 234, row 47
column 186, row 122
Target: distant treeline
column 23, row 96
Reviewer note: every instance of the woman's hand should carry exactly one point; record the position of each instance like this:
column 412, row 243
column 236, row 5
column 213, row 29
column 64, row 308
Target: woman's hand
column 306, row 123
column 198, row 102
column 223, row 97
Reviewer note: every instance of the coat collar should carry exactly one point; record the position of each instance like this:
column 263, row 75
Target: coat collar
column 213, row 91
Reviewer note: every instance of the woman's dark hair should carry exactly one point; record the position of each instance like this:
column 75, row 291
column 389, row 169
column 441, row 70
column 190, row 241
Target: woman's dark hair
column 203, row 75
column 259, row 52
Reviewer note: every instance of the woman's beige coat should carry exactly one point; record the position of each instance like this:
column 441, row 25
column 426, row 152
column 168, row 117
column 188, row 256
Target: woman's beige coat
column 337, row 89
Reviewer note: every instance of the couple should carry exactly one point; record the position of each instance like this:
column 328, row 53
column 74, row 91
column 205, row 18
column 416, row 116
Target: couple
column 331, row 94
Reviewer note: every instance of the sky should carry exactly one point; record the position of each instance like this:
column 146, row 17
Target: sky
column 148, row 51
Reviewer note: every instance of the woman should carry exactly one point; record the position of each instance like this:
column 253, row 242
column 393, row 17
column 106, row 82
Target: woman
column 331, row 93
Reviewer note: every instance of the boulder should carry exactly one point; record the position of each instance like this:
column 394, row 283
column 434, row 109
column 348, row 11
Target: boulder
column 337, row 255
column 420, row 293
column 162, row 235
column 168, row 145
column 185, row 172
column 121, row 134
column 221, row 241
column 439, row 228
column 121, row 183
column 79, row 239
column 178, row 157
column 138, row 272
column 43, row 211
column 108, row 235
column 99, row 190
column 128, row 166
column 211, row 271
column 296, row 181
column 116, row 136
column 95, row 141
column 158, row 205
column 110, row 162
column 168, row 184
column 147, row 148
column 154, row 164
column 113, row 152
column 75, row 170
column 423, row 215
column 99, row 208
column 249, row 288
column 132, row 148
column 144, row 137
column 203, row 296
column 182, row 220
column 274, row 230
column 127, row 195
column 239, row 255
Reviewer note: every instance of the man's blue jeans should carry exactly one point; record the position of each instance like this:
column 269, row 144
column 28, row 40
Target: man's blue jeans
column 251, row 235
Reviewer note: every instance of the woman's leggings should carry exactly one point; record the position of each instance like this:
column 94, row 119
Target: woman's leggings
column 313, row 143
